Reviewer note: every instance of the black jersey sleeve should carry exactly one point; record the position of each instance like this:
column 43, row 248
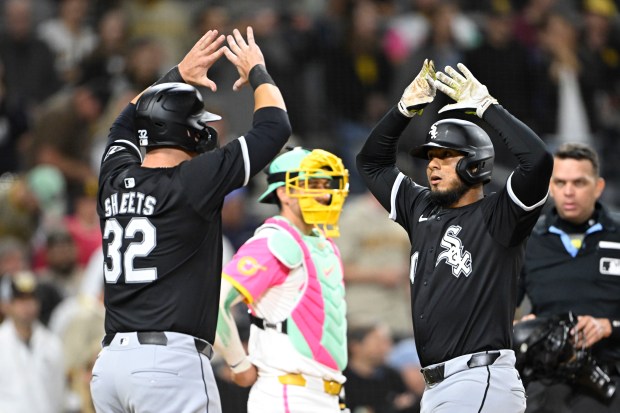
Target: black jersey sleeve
column 122, row 149
column 270, row 131
column 530, row 180
column 512, row 213
column 210, row 176
column 376, row 162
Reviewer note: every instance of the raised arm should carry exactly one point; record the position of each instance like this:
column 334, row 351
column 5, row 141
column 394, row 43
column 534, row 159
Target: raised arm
column 530, row 180
column 270, row 127
column 250, row 63
column 376, row 162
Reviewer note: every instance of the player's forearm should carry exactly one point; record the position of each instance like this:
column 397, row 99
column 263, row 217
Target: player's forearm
column 267, row 95
column 228, row 343
column 270, row 131
column 376, row 162
column 379, row 150
column 227, row 340
column 122, row 132
column 531, row 177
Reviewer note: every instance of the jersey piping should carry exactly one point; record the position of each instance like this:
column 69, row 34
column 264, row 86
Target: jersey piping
column 246, row 159
column 516, row 200
column 393, row 194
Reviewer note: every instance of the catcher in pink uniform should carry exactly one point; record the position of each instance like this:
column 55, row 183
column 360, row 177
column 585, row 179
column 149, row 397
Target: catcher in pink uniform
column 290, row 276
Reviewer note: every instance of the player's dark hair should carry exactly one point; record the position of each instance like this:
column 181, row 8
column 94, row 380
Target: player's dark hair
column 357, row 333
column 580, row 152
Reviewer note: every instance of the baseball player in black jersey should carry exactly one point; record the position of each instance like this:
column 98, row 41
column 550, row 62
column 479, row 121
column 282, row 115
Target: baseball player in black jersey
column 161, row 225
column 466, row 248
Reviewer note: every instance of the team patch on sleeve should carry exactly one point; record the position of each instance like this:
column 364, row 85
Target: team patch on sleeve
column 113, row 150
column 255, row 268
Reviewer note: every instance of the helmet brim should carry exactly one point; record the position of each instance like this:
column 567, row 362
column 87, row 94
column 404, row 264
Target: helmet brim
column 422, row 150
column 268, row 197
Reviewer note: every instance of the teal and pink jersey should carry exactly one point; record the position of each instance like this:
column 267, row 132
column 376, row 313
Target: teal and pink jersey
column 288, row 277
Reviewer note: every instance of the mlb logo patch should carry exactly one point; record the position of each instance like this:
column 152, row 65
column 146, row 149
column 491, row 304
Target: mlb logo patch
column 124, row 341
column 609, row 266
column 130, row 183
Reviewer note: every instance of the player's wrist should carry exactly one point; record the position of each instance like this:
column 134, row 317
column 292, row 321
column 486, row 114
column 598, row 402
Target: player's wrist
column 484, row 105
column 173, row 75
column 241, row 366
column 258, row 75
column 607, row 327
column 403, row 109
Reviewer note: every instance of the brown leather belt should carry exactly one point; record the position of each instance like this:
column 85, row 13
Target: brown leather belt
column 436, row 374
column 159, row 338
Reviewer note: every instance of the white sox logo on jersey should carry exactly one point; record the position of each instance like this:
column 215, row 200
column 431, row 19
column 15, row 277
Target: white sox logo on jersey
column 453, row 254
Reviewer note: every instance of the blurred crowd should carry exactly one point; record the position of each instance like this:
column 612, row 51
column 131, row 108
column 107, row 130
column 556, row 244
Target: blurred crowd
column 68, row 66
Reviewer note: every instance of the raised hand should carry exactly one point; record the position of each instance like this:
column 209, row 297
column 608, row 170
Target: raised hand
column 244, row 55
column 196, row 63
column 465, row 89
column 420, row 92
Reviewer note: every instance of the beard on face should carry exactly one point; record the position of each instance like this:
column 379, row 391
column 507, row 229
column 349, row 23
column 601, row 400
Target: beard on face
column 449, row 197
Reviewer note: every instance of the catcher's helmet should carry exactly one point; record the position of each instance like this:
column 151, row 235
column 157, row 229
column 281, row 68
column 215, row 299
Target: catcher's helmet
column 172, row 114
column 469, row 139
column 294, row 169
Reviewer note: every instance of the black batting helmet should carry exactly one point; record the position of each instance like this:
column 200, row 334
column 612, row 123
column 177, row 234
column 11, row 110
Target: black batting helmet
column 172, row 114
column 469, row 139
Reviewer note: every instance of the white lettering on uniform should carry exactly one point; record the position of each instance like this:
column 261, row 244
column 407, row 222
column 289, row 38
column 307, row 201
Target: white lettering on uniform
column 131, row 203
column 149, row 205
column 453, row 254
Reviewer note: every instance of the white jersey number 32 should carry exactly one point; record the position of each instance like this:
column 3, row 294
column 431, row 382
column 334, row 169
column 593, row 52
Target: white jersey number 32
column 124, row 262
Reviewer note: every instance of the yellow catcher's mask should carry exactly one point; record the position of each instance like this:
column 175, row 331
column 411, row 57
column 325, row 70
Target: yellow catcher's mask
column 318, row 179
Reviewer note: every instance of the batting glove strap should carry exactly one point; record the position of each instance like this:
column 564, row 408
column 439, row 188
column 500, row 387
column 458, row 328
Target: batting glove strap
column 408, row 113
column 484, row 105
column 243, row 365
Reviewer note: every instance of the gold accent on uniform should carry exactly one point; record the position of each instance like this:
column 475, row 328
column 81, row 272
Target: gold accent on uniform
column 329, row 386
column 249, row 266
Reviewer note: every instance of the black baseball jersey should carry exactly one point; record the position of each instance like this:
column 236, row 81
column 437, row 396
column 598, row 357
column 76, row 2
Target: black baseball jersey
column 162, row 230
column 464, row 261
column 558, row 277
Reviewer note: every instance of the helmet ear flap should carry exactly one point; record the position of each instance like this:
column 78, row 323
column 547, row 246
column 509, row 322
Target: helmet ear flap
column 473, row 172
column 208, row 139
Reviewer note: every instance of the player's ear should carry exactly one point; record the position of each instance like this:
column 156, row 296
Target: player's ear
column 600, row 187
column 281, row 195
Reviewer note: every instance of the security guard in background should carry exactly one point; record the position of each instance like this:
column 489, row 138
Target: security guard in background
column 572, row 263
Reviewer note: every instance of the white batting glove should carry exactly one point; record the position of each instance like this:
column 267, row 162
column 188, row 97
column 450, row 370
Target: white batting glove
column 468, row 92
column 420, row 92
